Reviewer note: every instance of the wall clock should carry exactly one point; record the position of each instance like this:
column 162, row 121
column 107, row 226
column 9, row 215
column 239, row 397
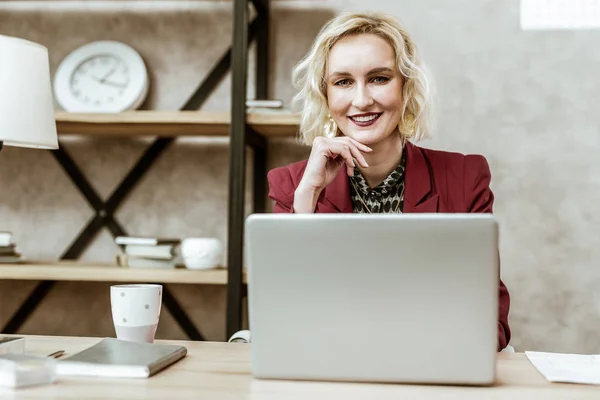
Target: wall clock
column 102, row 76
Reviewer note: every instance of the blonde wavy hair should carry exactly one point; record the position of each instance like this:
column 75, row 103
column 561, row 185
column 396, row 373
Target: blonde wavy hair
column 309, row 75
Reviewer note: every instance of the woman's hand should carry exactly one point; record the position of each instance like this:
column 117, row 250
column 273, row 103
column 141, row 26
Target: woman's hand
column 326, row 159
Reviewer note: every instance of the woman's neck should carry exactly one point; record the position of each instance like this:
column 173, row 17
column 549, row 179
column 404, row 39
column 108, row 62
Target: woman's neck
column 384, row 158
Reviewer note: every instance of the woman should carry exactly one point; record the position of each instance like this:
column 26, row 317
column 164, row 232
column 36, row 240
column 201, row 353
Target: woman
column 364, row 95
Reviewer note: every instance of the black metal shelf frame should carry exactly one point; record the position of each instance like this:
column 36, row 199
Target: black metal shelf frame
column 241, row 135
column 236, row 58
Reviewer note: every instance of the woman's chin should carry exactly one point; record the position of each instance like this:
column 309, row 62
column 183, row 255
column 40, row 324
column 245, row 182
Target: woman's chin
column 367, row 137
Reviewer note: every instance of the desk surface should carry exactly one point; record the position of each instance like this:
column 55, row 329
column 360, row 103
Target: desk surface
column 222, row 371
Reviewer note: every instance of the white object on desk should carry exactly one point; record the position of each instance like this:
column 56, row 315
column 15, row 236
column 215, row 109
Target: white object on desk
column 135, row 310
column 21, row 370
column 103, row 76
column 242, row 336
column 567, row 368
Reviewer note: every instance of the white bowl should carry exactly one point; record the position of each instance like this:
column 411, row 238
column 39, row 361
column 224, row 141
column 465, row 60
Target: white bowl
column 201, row 253
column 194, row 263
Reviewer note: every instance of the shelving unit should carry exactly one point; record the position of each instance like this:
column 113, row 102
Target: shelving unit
column 244, row 131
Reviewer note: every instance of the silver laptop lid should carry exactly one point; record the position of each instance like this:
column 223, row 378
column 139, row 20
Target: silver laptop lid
column 386, row 297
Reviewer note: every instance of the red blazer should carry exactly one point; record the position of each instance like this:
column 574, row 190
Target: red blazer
column 435, row 181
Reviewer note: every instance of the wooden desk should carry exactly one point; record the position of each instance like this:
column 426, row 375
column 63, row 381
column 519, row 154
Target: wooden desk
column 214, row 371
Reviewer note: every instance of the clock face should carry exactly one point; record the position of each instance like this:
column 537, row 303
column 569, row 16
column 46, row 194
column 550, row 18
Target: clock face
column 103, row 76
column 100, row 80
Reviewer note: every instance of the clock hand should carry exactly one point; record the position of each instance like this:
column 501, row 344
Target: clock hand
column 116, row 84
column 109, row 73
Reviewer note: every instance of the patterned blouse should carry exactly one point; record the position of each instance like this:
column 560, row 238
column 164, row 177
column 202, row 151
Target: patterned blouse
column 387, row 197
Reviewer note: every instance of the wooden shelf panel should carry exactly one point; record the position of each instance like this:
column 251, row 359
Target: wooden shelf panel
column 171, row 123
column 76, row 271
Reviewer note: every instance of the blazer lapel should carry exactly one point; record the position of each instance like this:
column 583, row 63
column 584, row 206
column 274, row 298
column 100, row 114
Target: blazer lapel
column 336, row 196
column 417, row 181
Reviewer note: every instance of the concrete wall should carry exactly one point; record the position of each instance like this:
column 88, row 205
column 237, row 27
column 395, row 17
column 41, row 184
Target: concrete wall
column 523, row 99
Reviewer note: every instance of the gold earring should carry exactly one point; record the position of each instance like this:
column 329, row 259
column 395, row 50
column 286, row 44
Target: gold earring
column 330, row 128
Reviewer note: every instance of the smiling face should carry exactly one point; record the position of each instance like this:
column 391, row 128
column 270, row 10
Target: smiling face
column 364, row 89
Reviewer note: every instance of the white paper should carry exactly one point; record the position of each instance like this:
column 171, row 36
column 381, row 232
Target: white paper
column 567, row 368
column 560, row 14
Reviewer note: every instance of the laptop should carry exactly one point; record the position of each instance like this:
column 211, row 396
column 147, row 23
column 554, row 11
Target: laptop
column 399, row 298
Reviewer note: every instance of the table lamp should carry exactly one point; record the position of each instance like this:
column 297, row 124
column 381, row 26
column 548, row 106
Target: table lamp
column 26, row 103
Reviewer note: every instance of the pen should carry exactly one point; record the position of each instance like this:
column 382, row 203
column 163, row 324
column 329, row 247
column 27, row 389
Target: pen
column 57, row 354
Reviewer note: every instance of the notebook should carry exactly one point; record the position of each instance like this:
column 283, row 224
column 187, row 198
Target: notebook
column 114, row 358
column 146, row 241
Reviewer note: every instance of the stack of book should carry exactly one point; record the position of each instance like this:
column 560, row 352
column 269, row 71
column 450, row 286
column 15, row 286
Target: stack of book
column 8, row 249
column 146, row 252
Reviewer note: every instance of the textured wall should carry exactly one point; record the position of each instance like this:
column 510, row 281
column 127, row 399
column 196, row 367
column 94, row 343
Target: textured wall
column 184, row 194
column 523, row 99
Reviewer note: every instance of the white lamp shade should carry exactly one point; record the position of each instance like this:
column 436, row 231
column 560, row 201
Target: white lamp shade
column 26, row 102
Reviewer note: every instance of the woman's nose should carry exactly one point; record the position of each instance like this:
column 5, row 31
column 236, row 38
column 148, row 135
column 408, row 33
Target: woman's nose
column 362, row 97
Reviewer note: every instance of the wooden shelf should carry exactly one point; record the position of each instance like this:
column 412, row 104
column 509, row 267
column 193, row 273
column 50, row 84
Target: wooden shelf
column 77, row 271
column 171, row 123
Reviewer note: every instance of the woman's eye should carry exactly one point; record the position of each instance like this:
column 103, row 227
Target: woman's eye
column 343, row 82
column 380, row 79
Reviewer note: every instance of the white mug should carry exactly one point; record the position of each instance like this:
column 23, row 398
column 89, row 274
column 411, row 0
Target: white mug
column 136, row 311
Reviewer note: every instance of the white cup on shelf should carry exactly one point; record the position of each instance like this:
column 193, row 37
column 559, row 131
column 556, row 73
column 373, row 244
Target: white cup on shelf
column 201, row 252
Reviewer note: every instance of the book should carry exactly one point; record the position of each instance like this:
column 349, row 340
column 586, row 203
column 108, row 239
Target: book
column 114, row 358
column 9, row 255
column 133, row 262
column 125, row 261
column 276, row 103
column 8, row 250
column 145, row 241
column 14, row 259
column 5, row 238
column 163, row 251
column 12, row 345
